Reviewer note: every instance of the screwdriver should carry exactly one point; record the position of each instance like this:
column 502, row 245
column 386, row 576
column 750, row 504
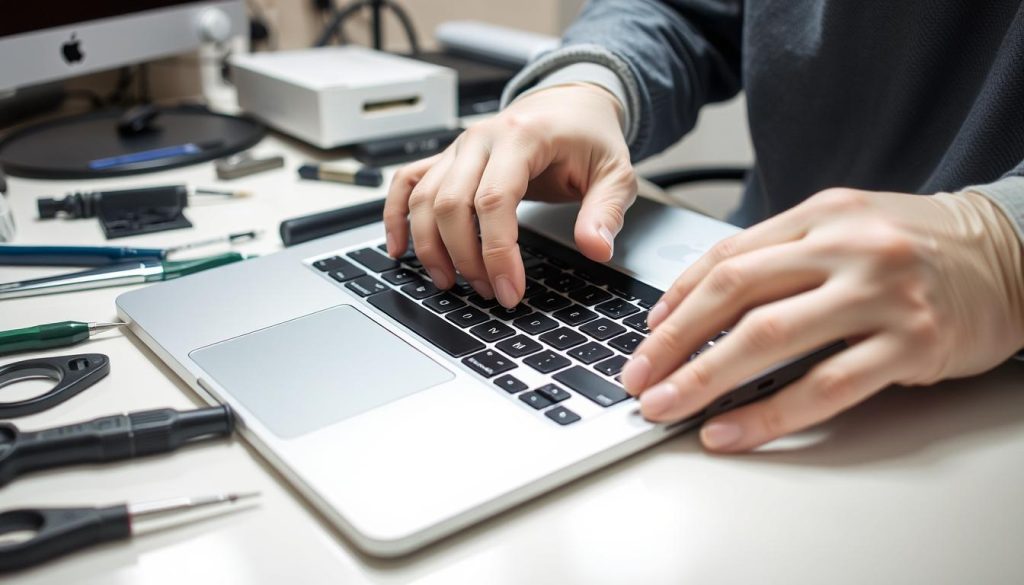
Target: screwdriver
column 137, row 272
column 59, row 531
column 50, row 335
column 109, row 438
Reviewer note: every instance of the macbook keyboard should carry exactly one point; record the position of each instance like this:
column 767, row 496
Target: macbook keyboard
column 573, row 331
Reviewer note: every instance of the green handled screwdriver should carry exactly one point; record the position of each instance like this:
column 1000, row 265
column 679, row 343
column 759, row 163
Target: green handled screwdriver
column 50, row 335
column 133, row 272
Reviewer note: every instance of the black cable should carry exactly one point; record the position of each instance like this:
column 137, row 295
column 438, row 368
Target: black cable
column 339, row 18
column 335, row 28
column 124, row 82
column 406, row 22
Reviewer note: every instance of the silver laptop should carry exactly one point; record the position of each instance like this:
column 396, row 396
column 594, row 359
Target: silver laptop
column 404, row 413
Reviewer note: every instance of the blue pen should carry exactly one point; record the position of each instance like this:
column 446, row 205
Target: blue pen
column 153, row 154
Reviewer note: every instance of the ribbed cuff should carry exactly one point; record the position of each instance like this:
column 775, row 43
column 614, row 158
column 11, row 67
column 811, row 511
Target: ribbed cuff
column 571, row 55
column 1008, row 195
column 586, row 73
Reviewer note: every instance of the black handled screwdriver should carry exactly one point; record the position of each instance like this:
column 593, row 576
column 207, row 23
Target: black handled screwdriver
column 109, row 438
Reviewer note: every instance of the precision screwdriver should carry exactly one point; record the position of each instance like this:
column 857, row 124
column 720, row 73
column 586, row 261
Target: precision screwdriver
column 109, row 438
column 49, row 335
column 59, row 531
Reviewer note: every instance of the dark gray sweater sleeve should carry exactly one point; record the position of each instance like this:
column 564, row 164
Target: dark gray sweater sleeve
column 672, row 57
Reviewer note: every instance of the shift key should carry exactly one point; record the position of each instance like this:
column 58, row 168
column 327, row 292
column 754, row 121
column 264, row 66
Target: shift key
column 426, row 324
column 591, row 385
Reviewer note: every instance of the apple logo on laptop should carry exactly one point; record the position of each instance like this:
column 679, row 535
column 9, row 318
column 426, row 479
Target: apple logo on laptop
column 72, row 50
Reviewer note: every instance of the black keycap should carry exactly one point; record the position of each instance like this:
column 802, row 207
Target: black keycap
column 510, row 384
column 562, row 338
column 638, row 322
column 591, row 385
column 564, row 282
column 531, row 261
column 602, row 329
column 413, row 263
column 420, row 289
column 533, row 287
column 617, row 308
column 562, row 415
column 549, row 301
column 546, row 361
column 328, row 264
column 344, row 271
column 535, row 324
column 372, row 260
column 622, row 292
column 489, row 363
column 467, row 317
column 482, row 302
column 492, row 331
column 444, row 302
column 462, row 288
column 542, row 271
column 611, row 366
column 400, row 276
column 365, row 286
column 590, row 295
column 516, row 312
column 590, row 352
column 409, row 253
column 535, row 400
column 574, row 315
column 626, row 342
column 553, row 392
column 434, row 329
column 519, row 346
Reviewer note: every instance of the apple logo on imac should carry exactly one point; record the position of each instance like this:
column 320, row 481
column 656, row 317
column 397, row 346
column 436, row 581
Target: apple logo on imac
column 72, row 50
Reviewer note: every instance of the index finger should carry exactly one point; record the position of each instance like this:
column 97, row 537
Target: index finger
column 502, row 186
column 396, row 205
column 786, row 227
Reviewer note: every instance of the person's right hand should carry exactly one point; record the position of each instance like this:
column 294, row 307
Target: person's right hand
column 563, row 143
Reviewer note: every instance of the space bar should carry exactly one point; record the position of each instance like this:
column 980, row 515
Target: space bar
column 426, row 324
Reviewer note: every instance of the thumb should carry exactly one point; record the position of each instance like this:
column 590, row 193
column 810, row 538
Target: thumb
column 603, row 212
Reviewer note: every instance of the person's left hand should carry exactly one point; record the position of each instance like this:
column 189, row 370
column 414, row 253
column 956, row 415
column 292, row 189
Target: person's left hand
column 921, row 288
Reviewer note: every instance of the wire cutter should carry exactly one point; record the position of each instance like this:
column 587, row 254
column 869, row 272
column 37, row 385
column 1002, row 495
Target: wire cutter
column 59, row 531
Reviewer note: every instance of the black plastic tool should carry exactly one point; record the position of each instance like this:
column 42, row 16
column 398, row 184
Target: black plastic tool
column 109, row 438
column 71, row 373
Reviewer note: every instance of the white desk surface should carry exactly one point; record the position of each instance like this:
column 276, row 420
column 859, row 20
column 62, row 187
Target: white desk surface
column 915, row 486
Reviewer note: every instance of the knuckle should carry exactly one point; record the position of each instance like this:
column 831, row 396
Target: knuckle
column 726, row 278
column 834, row 386
column 447, row 205
column 924, row 329
column 766, row 330
column 893, row 247
column 497, row 250
column 840, row 199
column 489, row 199
column 772, row 419
column 698, row 374
column 420, row 198
column 521, row 123
column 723, row 250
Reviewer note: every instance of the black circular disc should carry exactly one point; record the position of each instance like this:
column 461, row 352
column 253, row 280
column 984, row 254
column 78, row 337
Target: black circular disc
column 68, row 148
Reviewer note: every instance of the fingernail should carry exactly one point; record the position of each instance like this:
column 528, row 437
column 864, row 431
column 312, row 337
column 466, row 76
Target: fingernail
column 505, row 291
column 439, row 278
column 606, row 235
column 720, row 435
column 482, row 287
column 636, row 373
column 659, row 399
column 392, row 244
column 659, row 312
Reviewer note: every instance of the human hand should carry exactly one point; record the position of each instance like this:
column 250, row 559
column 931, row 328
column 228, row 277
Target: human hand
column 559, row 144
column 921, row 288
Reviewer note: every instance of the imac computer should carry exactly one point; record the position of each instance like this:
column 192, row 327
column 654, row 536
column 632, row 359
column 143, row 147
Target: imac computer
column 60, row 39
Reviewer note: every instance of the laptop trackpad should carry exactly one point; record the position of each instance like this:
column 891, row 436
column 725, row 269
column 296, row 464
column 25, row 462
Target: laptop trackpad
column 311, row 372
